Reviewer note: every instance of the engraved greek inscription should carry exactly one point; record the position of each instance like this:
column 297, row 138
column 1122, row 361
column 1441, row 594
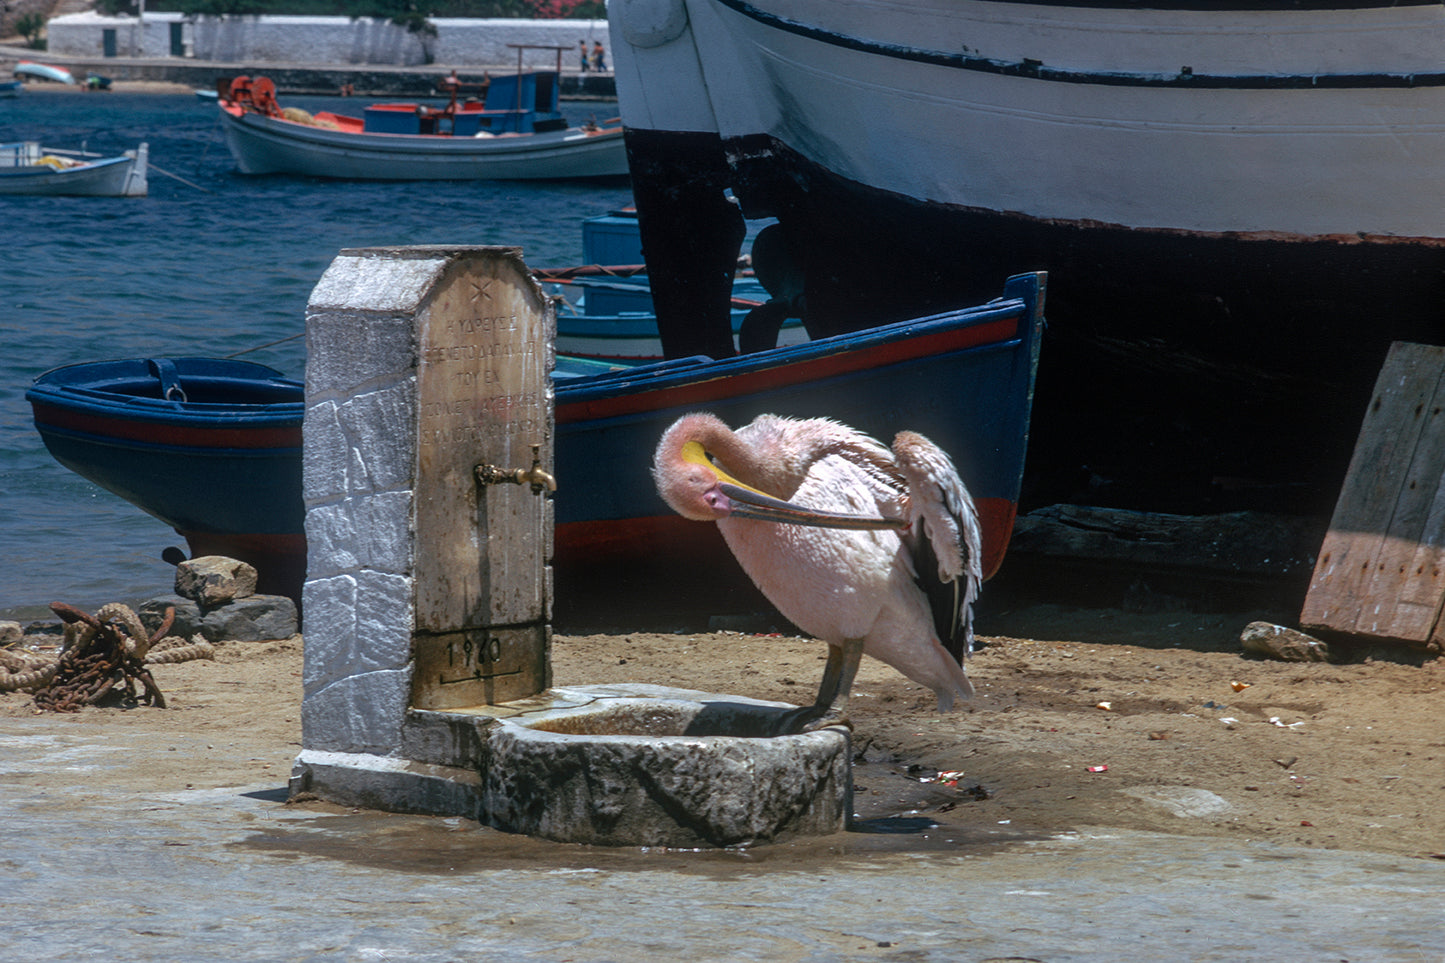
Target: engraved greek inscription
column 459, row 326
column 442, row 354
column 481, row 289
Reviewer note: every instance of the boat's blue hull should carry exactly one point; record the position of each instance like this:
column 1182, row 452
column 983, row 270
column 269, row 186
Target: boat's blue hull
column 223, row 465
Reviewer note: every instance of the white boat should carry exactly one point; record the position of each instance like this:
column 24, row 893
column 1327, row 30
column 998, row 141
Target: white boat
column 472, row 140
column 28, row 168
column 1240, row 203
column 27, row 68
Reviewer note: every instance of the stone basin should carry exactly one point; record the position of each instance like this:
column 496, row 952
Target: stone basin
column 652, row 766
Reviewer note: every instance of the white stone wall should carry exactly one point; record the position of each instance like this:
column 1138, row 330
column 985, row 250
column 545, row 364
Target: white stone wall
column 358, row 475
column 318, row 41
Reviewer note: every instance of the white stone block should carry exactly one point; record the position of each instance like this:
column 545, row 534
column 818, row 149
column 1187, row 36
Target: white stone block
column 360, row 713
column 383, row 531
column 330, row 540
column 384, row 616
column 381, row 428
column 329, row 626
column 325, row 454
column 358, row 351
column 384, row 285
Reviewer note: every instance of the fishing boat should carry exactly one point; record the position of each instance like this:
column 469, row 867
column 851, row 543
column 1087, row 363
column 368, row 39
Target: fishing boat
column 605, row 310
column 213, row 448
column 28, row 168
column 1238, row 203
column 515, row 133
column 28, row 68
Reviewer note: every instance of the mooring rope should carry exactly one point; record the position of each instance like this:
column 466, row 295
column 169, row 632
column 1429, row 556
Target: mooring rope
column 100, row 653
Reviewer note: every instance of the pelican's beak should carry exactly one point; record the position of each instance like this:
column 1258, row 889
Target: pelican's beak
column 745, row 501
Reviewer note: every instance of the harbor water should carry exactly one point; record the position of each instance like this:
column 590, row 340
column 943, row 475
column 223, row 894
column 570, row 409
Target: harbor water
column 213, row 263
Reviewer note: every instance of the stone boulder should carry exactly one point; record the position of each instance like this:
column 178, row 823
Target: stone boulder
column 213, row 580
column 255, row 618
column 1269, row 641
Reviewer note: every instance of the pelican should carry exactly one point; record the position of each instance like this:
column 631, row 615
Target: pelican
column 870, row 549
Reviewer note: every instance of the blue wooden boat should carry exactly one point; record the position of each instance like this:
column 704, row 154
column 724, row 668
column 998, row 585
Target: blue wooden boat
column 27, row 68
column 210, row 447
column 606, row 308
column 213, row 448
column 609, row 315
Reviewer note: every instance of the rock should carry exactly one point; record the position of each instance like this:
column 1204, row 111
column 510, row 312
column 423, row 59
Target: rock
column 11, row 632
column 188, row 615
column 253, row 619
column 1272, row 641
column 213, row 580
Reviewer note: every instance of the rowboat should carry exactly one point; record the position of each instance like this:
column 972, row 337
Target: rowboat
column 1238, row 203
column 516, row 133
column 210, row 447
column 608, row 315
column 28, row 68
column 28, row 168
column 213, row 447
column 605, row 309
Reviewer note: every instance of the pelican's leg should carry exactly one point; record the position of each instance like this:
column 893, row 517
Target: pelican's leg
column 831, row 707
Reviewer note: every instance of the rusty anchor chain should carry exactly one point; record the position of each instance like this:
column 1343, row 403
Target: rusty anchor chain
column 102, row 655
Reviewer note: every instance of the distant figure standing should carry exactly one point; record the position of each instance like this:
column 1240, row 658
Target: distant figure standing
column 585, row 62
column 599, row 60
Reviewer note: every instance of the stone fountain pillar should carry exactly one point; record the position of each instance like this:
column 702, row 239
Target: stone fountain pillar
column 428, row 581
column 427, row 683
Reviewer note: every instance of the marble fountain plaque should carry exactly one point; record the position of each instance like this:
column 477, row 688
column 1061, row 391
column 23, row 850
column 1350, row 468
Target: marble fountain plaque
column 482, row 546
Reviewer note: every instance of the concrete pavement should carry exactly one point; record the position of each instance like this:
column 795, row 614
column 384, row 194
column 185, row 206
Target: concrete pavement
column 104, row 860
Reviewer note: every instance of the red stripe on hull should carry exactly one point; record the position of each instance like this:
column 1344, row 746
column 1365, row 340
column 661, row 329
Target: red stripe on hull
column 154, row 433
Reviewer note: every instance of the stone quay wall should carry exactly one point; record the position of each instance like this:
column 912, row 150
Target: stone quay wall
column 320, row 41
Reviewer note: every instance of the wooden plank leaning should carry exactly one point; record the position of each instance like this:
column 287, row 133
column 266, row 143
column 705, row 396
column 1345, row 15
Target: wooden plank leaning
column 1381, row 568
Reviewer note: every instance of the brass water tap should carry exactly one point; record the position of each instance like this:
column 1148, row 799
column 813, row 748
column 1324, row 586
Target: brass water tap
column 534, row 476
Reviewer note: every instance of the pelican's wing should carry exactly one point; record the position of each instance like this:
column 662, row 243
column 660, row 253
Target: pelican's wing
column 947, row 542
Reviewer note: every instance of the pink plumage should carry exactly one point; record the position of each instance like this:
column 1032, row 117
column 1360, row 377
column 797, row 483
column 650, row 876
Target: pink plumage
column 875, row 549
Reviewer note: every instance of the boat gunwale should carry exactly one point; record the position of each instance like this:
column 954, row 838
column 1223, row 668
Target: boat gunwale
column 981, row 322
column 94, row 390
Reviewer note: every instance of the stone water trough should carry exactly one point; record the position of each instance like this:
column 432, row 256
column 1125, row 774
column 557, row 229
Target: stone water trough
column 427, row 685
column 629, row 765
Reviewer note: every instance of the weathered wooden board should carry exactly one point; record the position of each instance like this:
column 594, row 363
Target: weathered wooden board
column 1381, row 568
column 482, row 551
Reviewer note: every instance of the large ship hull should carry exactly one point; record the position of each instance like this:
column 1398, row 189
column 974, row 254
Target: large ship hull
column 1239, row 206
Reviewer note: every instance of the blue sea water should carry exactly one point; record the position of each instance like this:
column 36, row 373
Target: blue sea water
column 219, row 265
